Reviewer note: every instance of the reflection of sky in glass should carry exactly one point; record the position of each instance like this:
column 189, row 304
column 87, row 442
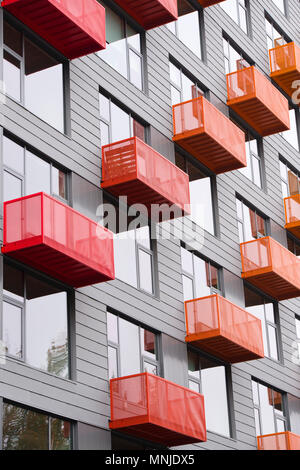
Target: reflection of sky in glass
column 216, row 405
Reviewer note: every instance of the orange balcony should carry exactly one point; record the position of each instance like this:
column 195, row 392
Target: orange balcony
column 209, row 3
column 281, row 441
column 292, row 214
column 285, row 66
column 253, row 97
column 149, row 407
column 150, row 13
column 131, row 168
column 223, row 329
column 203, row 131
column 272, row 268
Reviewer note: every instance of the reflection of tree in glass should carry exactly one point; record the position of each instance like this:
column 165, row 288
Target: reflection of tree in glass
column 58, row 358
column 60, row 434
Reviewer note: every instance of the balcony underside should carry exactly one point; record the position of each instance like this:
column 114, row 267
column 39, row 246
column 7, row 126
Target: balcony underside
column 149, row 14
column 286, row 79
column 58, row 265
column 272, row 284
column 209, row 152
column 294, row 229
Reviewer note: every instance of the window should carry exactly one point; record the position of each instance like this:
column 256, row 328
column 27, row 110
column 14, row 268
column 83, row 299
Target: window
column 131, row 348
column 234, row 60
column 182, row 88
column 123, row 49
column 201, row 194
column 281, row 5
column 293, row 246
column 25, row 173
column 292, row 135
column 117, row 124
column 253, row 170
column 238, row 11
column 290, row 182
column 188, row 21
column 274, row 36
column 208, row 377
column 200, row 278
column 35, row 322
column 251, row 225
column 33, row 77
column 25, row 429
column 266, row 311
column 297, row 320
column 269, row 409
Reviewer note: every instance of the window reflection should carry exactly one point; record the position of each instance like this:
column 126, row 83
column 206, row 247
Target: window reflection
column 188, row 21
column 269, row 409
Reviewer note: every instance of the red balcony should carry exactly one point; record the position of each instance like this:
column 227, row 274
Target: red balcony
column 209, row 3
column 292, row 214
column 208, row 135
column 47, row 235
column 272, row 268
column 280, row 441
column 75, row 28
column 149, row 407
column 131, row 168
column 223, row 329
column 150, row 13
column 253, row 97
column 285, row 66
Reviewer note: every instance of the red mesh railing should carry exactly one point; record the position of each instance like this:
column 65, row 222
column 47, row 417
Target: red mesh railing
column 280, row 441
column 217, row 313
column 119, row 161
column 283, row 58
column 149, row 398
column 292, row 209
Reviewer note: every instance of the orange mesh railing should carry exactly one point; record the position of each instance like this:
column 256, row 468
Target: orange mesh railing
column 292, row 209
column 265, row 253
column 188, row 117
column 148, row 398
column 217, row 313
column 280, row 441
column 284, row 58
column 241, row 83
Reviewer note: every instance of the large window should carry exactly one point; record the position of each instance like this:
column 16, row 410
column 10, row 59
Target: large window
column 34, row 322
column 253, row 170
column 251, row 225
column 26, row 429
column 131, row 348
column 201, row 193
column 292, row 135
column 234, row 60
column 117, row 124
column 266, row 312
column 290, row 180
column 25, row 173
column 33, row 77
column 188, row 21
column 274, row 36
column 209, row 377
column 281, row 5
column 238, row 11
column 269, row 409
column 182, row 87
column 123, row 49
column 200, row 278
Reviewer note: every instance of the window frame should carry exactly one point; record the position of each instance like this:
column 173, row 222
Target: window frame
column 285, row 182
column 200, row 90
column 241, row 221
column 227, row 56
column 245, row 7
column 275, row 29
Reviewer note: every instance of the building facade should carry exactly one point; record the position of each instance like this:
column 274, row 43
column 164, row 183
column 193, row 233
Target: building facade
column 67, row 328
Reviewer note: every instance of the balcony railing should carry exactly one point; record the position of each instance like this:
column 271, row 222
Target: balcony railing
column 203, row 131
column 53, row 238
column 253, row 97
column 292, row 214
column 75, row 28
column 280, row 441
column 150, row 13
column 285, row 66
column 209, row 3
column 223, row 329
column 134, row 169
column 152, row 408
column 272, row 268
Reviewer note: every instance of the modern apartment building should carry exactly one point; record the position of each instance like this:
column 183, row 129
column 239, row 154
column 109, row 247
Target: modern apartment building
column 182, row 330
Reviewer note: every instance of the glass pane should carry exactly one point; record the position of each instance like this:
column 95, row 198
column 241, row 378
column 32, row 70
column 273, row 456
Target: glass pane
column 12, row 76
column 120, row 124
column 114, row 26
column 125, row 257
column 273, row 343
column 243, row 19
column 283, row 170
column 202, row 204
column 44, row 90
column 298, row 327
column 188, row 288
column 214, row 277
column 185, row 25
column 59, row 183
column 280, row 425
column 150, row 368
column 133, row 39
column 138, row 130
column 256, row 171
column 202, row 281
column 24, row 429
column 292, row 135
column 115, row 55
column 175, row 96
column 188, row 88
column 112, row 328
column 278, row 402
column 148, row 343
column 46, row 328
column 187, row 261
column 37, row 174
column 175, row 75
column 255, row 393
column 230, row 6
column 194, row 365
column 13, row 283
column 12, row 329
column 266, row 410
column 104, row 107
column 135, row 64
column 129, row 348
column 143, row 237
column 104, row 131
column 12, row 38
column 60, row 434
column 12, row 187
column 13, row 155
column 145, row 271
column 257, row 422
column 270, row 316
column 112, row 363
column 194, row 386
